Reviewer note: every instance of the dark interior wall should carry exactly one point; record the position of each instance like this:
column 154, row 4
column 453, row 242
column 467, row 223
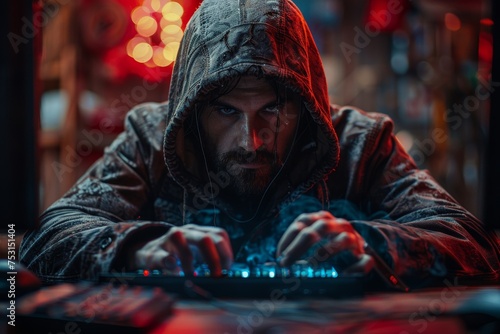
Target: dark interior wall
column 492, row 195
column 18, row 172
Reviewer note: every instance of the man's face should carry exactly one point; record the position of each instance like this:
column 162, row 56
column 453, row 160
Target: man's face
column 248, row 134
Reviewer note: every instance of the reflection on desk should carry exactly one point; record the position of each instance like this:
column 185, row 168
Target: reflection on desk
column 448, row 309
column 427, row 311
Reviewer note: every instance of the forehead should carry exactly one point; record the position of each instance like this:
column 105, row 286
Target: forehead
column 251, row 83
column 248, row 86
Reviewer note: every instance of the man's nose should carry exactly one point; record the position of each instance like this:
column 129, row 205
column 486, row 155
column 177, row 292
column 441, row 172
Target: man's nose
column 250, row 137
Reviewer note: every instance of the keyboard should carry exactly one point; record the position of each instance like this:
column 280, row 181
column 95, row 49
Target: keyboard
column 244, row 281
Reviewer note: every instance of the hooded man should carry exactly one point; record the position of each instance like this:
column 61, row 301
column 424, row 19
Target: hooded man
column 248, row 162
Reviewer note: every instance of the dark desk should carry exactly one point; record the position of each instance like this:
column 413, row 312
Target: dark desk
column 429, row 311
column 438, row 310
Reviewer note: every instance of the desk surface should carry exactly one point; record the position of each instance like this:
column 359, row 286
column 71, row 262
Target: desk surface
column 430, row 311
column 437, row 310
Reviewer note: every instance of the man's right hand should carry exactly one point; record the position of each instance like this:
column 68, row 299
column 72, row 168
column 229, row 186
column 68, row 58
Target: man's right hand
column 162, row 253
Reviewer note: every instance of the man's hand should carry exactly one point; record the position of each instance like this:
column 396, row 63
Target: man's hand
column 336, row 233
column 162, row 253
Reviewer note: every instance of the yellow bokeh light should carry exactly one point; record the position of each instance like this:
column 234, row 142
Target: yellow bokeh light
column 172, row 29
column 166, row 39
column 159, row 58
column 165, row 22
column 138, row 13
column 170, row 50
column 133, row 43
column 171, row 33
column 147, row 26
column 171, row 16
column 156, row 4
column 172, row 8
column 142, row 52
column 144, row 17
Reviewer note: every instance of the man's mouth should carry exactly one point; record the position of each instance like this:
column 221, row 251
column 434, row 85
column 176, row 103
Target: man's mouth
column 244, row 160
column 251, row 165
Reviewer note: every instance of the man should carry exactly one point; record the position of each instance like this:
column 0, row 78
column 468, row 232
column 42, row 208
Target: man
column 248, row 162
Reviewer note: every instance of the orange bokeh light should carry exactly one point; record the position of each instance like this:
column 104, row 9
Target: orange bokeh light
column 147, row 26
column 142, row 52
column 452, row 22
column 170, row 50
column 159, row 31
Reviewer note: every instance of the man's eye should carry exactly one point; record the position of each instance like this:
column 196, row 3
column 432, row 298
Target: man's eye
column 274, row 110
column 225, row 111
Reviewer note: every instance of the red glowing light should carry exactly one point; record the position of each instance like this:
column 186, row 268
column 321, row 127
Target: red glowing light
column 486, row 22
column 146, row 272
column 116, row 31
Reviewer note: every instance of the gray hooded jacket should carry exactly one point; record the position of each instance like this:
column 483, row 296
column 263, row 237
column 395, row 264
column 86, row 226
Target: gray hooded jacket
column 349, row 163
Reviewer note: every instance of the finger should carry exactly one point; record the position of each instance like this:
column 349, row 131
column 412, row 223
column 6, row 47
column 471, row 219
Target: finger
column 210, row 254
column 364, row 265
column 205, row 244
column 225, row 252
column 221, row 240
column 301, row 222
column 350, row 241
column 290, row 234
column 310, row 235
column 146, row 259
column 343, row 235
column 304, row 240
column 176, row 243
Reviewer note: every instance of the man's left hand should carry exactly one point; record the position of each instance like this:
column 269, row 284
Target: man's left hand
column 337, row 234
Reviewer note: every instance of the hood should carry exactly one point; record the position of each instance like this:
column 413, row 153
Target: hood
column 265, row 38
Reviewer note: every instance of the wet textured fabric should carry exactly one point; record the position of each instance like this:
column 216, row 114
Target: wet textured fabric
column 347, row 162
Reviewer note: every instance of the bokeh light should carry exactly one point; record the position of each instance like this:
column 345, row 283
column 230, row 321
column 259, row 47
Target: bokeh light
column 159, row 31
column 171, row 33
column 170, row 50
column 159, row 57
column 452, row 22
column 486, row 22
column 406, row 140
column 142, row 52
column 147, row 26
column 138, row 13
column 165, row 22
column 133, row 43
column 172, row 11
column 156, row 5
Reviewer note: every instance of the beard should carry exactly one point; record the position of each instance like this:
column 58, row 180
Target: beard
column 247, row 182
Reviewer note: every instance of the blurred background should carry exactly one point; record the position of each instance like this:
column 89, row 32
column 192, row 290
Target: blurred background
column 426, row 63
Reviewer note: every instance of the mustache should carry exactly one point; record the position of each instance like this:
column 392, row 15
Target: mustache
column 242, row 156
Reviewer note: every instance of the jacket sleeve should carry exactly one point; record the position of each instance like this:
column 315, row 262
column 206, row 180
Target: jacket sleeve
column 415, row 225
column 90, row 229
